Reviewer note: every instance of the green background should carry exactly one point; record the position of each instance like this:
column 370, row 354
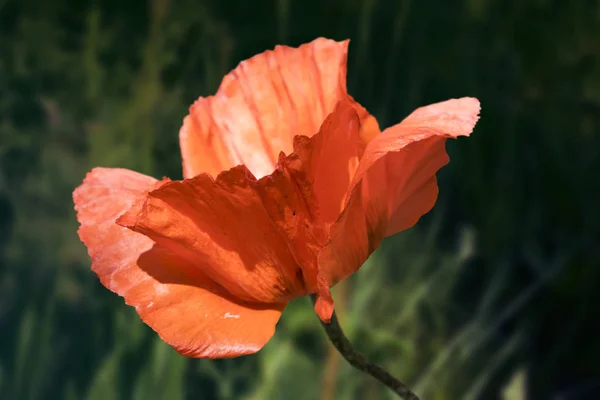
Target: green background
column 493, row 295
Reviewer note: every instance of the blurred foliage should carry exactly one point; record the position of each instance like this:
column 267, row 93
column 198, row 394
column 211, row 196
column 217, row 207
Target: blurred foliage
column 493, row 295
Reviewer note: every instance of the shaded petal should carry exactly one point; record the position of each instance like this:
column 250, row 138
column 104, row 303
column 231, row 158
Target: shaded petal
column 262, row 104
column 171, row 294
column 221, row 226
column 369, row 127
column 395, row 183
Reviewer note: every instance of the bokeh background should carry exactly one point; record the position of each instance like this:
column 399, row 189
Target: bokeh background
column 493, row 295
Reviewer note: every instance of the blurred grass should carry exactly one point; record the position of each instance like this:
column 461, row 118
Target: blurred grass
column 492, row 295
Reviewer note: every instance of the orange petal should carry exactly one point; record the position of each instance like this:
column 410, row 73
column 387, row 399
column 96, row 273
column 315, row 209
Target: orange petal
column 223, row 228
column 395, row 183
column 187, row 309
column 330, row 159
column 262, row 104
column 328, row 162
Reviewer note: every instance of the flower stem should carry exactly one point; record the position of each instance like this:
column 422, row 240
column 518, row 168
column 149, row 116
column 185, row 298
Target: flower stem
column 360, row 362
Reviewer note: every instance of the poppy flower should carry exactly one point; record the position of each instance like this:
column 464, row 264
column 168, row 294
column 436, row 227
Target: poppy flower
column 289, row 186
